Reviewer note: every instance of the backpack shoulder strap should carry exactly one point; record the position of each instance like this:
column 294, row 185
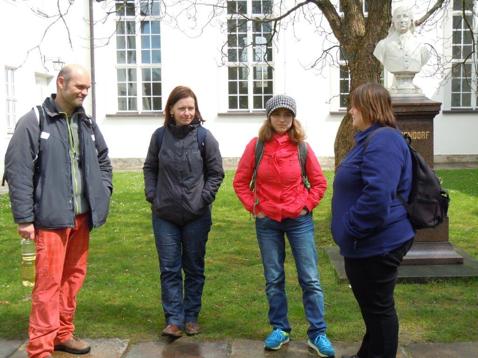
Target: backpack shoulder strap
column 259, row 151
column 40, row 116
column 302, row 152
column 159, row 138
column 202, row 134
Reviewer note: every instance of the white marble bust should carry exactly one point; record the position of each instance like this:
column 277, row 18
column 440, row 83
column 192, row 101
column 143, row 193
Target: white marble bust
column 401, row 53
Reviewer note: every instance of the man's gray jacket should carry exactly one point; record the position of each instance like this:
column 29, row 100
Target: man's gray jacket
column 38, row 169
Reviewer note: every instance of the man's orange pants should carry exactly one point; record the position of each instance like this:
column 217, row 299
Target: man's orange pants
column 61, row 258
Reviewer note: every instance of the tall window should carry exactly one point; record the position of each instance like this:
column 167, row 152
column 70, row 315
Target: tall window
column 464, row 57
column 249, row 55
column 10, row 98
column 138, row 55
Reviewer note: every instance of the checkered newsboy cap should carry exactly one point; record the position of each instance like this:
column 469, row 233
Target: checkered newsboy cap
column 281, row 101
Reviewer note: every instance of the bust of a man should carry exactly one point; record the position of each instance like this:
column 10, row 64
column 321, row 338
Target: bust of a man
column 401, row 53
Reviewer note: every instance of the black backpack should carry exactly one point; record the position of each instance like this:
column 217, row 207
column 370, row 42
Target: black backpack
column 301, row 152
column 427, row 205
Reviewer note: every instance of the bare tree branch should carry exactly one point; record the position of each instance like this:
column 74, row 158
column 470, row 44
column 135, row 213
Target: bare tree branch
column 332, row 16
column 438, row 5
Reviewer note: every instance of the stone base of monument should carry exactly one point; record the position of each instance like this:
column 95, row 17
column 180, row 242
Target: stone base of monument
column 420, row 273
column 431, row 247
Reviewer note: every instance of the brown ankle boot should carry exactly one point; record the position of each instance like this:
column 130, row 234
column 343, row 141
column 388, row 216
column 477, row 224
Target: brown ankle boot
column 74, row 346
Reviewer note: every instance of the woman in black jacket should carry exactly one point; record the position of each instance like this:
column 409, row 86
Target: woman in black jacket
column 182, row 174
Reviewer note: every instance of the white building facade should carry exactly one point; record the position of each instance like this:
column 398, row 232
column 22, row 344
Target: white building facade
column 143, row 49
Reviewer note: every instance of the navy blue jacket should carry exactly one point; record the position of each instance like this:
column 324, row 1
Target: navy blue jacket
column 179, row 182
column 368, row 218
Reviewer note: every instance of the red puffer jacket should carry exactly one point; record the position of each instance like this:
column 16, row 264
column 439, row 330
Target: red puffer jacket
column 280, row 192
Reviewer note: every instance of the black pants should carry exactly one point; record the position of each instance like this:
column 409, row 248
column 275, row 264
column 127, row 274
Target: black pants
column 373, row 281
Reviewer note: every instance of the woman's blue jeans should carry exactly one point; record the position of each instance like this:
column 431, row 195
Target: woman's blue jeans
column 300, row 233
column 181, row 248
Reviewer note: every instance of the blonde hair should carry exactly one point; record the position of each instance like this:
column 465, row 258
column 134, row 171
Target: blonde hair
column 295, row 132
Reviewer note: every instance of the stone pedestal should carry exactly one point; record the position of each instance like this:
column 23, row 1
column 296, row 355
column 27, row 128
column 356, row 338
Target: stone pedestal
column 415, row 117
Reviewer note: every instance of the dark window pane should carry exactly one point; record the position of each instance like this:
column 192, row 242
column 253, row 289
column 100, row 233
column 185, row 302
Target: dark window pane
column 156, row 89
column 456, row 100
column 232, row 87
column 457, row 19
column 257, row 102
column 456, row 85
column 267, row 7
column 147, row 90
column 243, row 73
column 232, row 73
column 243, row 87
column 466, row 100
column 256, row 7
column 132, row 104
column 232, row 55
column 457, row 37
column 130, row 9
column 344, row 86
column 243, row 102
column 131, row 56
column 130, row 27
column 467, row 38
column 242, row 7
column 156, row 103
column 231, row 7
column 232, row 102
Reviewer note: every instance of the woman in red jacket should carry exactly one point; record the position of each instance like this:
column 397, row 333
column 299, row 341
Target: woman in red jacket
column 282, row 205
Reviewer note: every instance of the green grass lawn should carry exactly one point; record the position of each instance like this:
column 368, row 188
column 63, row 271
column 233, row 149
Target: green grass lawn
column 121, row 296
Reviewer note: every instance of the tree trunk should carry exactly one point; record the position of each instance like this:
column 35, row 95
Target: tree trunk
column 359, row 38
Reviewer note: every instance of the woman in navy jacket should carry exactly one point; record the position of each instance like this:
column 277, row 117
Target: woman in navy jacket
column 369, row 222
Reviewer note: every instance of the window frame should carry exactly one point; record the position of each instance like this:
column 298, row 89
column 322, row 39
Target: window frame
column 250, row 66
column 463, row 87
column 10, row 99
column 138, row 81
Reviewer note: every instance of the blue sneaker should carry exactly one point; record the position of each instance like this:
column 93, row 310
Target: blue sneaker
column 322, row 346
column 276, row 339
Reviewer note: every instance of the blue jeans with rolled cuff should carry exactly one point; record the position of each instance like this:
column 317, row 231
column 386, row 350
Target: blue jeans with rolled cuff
column 271, row 238
column 181, row 249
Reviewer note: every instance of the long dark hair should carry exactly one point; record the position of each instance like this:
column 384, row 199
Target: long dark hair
column 177, row 94
column 375, row 104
